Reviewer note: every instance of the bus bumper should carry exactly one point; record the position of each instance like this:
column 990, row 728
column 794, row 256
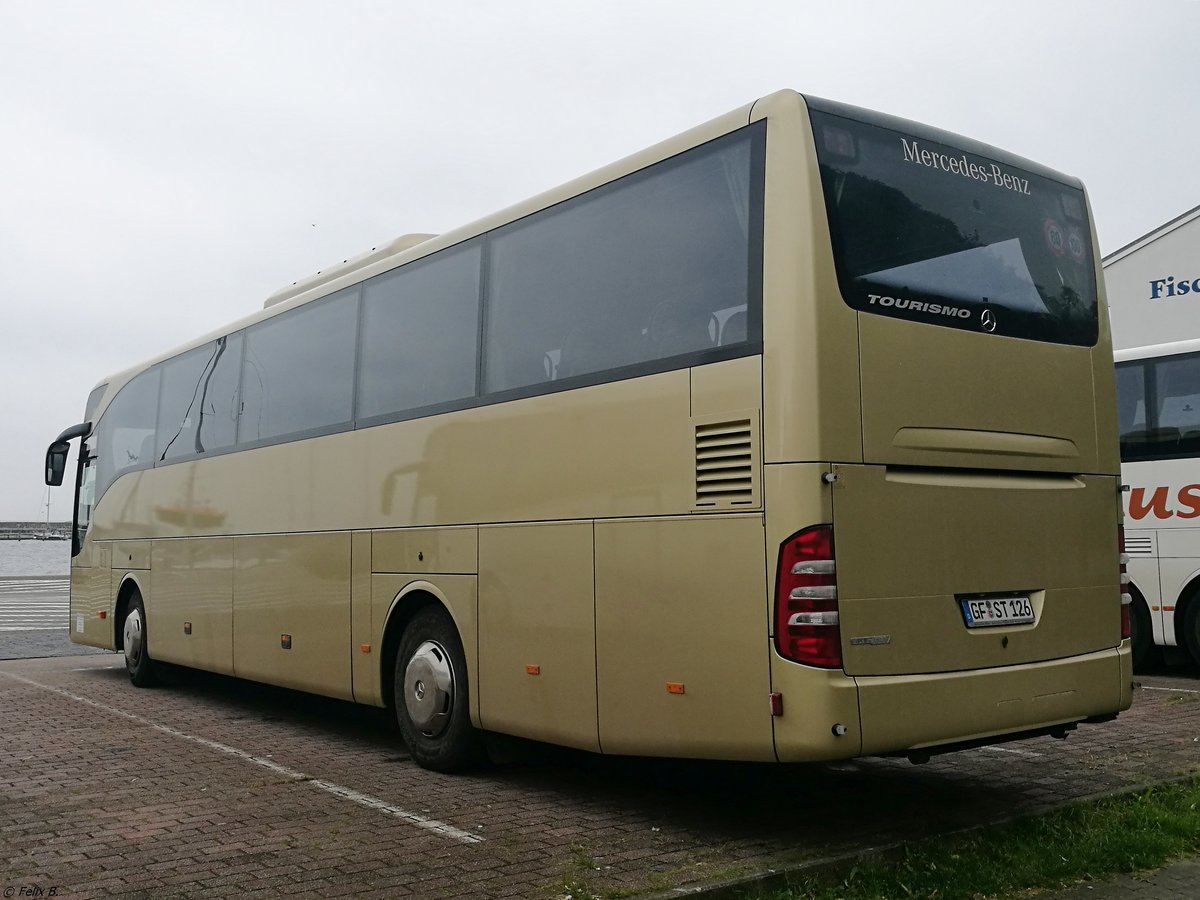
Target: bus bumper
column 924, row 711
column 829, row 715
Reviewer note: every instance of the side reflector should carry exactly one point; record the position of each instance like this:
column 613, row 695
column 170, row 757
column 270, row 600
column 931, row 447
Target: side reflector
column 533, row 670
column 776, row 704
column 187, row 627
column 674, row 687
column 285, row 641
column 103, row 614
column 365, row 648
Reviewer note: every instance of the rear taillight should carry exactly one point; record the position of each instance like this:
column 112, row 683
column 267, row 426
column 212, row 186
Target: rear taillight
column 806, row 602
column 1126, row 597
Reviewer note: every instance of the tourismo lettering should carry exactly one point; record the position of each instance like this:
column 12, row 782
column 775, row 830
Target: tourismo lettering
column 936, row 309
column 1170, row 287
column 960, row 165
column 1187, row 500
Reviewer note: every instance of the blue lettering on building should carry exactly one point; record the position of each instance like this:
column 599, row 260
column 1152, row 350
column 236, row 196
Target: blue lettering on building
column 1161, row 288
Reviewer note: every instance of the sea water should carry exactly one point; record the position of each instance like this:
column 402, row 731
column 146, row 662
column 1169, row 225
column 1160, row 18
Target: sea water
column 35, row 558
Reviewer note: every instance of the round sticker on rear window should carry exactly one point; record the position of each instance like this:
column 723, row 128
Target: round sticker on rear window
column 1075, row 245
column 1055, row 239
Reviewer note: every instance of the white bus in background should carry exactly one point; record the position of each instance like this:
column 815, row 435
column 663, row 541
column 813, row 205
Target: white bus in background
column 1158, row 407
column 1154, row 295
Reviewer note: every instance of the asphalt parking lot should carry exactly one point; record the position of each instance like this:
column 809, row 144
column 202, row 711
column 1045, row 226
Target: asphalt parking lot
column 212, row 787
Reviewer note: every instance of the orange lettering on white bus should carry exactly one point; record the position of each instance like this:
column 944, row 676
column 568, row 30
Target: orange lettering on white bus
column 1138, row 508
column 1189, row 500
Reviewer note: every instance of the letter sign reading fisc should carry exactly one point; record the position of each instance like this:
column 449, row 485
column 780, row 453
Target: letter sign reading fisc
column 1171, row 286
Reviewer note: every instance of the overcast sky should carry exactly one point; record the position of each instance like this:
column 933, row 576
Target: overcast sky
column 168, row 165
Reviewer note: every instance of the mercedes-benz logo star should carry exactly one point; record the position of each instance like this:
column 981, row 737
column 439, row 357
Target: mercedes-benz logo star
column 988, row 320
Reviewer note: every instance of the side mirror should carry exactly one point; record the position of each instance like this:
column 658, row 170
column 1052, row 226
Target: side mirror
column 56, row 462
column 56, row 455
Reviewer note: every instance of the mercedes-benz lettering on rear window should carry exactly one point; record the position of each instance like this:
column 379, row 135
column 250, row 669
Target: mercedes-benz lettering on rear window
column 925, row 231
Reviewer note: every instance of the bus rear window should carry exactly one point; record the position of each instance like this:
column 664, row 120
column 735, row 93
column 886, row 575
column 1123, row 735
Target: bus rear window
column 934, row 233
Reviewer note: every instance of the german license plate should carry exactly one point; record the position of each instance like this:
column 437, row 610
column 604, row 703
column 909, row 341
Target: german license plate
column 986, row 612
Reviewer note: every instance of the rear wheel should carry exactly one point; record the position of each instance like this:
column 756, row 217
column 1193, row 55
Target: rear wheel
column 431, row 694
column 1141, row 632
column 1191, row 630
column 137, row 656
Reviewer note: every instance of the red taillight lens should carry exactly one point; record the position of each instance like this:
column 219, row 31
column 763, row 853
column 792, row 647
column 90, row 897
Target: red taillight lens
column 806, row 604
column 1126, row 597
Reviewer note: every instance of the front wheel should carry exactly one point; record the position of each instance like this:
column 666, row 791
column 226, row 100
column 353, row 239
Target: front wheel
column 137, row 656
column 431, row 694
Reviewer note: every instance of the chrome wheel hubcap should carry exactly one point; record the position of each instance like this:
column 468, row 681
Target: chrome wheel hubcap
column 133, row 639
column 429, row 688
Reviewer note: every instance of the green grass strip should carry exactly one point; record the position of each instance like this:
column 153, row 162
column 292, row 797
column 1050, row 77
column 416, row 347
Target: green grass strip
column 1128, row 833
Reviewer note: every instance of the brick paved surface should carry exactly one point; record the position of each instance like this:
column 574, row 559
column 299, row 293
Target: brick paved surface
column 1177, row 882
column 213, row 787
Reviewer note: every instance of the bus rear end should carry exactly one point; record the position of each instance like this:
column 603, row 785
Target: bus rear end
column 954, row 580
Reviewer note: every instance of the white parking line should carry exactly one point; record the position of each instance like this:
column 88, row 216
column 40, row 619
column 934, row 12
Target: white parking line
column 1008, row 750
column 1146, row 687
column 329, row 787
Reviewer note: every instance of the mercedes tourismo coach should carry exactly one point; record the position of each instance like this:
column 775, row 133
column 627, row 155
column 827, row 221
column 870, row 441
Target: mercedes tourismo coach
column 789, row 438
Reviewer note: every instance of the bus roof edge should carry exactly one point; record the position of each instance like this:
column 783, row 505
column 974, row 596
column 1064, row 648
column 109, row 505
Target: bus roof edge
column 399, row 245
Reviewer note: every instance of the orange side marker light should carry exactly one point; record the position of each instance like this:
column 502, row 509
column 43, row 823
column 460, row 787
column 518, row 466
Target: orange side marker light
column 674, row 687
column 533, row 670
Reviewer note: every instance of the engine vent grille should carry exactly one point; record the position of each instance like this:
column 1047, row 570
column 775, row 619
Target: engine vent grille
column 1139, row 546
column 726, row 464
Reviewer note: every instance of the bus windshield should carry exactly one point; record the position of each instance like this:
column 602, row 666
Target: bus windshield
column 934, row 233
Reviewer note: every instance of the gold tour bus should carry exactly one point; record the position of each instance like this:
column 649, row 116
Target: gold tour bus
column 790, row 438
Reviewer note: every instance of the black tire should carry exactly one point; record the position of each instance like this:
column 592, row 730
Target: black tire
column 430, row 696
column 1191, row 630
column 141, row 668
column 1141, row 633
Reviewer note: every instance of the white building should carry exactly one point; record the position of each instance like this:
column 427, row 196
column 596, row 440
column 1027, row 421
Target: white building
column 1154, row 285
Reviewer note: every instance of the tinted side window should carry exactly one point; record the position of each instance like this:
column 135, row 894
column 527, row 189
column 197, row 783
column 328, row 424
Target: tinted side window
column 178, row 413
column 654, row 266
column 1158, row 407
column 1131, row 397
column 420, row 334
column 84, row 501
column 197, row 409
column 220, row 396
column 298, row 374
column 125, row 435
